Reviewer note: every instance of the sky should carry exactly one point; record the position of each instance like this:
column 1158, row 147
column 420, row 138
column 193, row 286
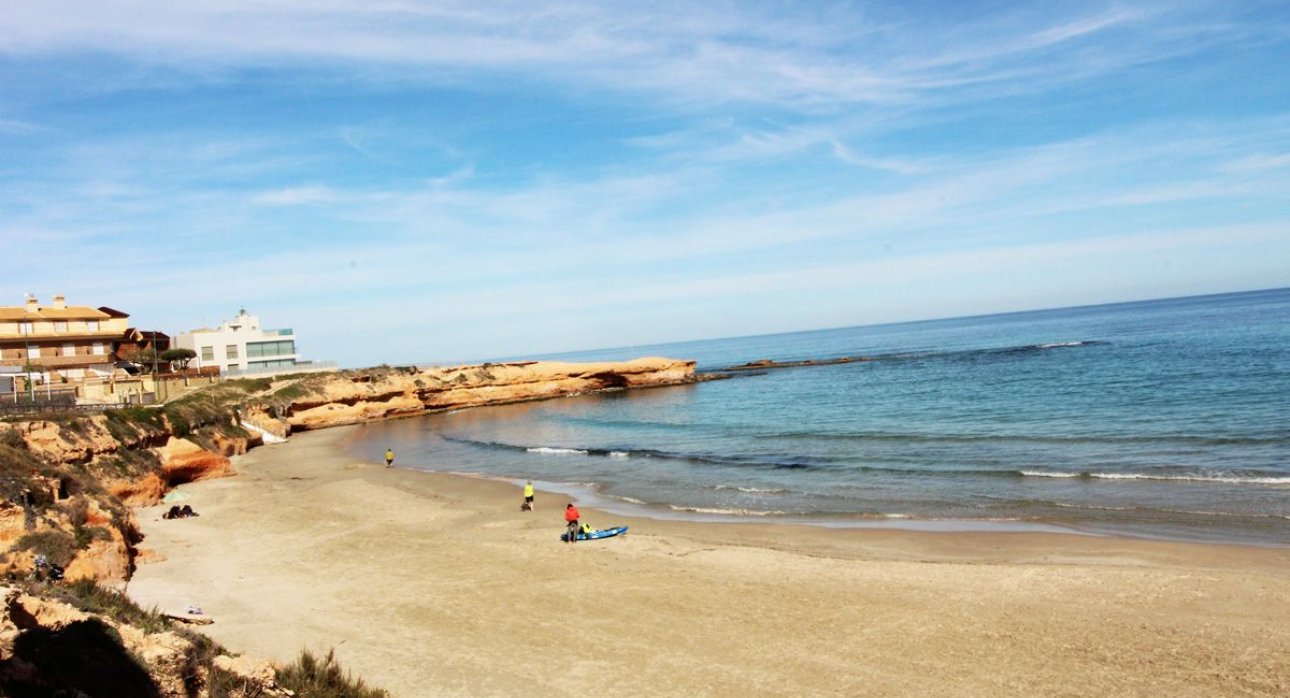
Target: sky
column 410, row 182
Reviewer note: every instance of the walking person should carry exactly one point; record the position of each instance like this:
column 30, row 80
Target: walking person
column 528, row 496
column 571, row 521
column 389, row 457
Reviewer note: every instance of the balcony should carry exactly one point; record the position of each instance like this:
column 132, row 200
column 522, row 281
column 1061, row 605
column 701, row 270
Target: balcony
column 287, row 332
column 78, row 361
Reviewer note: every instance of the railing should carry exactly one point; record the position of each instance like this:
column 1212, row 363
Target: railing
column 311, row 367
column 285, row 332
column 43, row 400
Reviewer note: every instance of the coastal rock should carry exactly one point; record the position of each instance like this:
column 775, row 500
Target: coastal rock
column 103, row 560
column 184, row 461
column 139, row 492
column 350, row 399
column 259, row 417
column 53, row 442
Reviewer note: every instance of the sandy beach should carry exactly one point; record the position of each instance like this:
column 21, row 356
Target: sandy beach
column 429, row 584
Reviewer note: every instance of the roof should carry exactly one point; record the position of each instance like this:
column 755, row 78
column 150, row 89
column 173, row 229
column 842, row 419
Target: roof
column 113, row 312
column 75, row 312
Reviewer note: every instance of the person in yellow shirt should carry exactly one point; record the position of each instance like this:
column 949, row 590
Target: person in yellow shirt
column 389, row 457
column 528, row 496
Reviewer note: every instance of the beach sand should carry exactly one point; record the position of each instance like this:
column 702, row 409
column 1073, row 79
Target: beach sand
column 434, row 585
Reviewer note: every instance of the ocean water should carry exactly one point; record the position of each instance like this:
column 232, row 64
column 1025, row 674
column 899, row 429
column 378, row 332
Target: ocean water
column 1166, row 419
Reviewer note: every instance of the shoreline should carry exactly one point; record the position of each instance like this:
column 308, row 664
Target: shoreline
column 436, row 584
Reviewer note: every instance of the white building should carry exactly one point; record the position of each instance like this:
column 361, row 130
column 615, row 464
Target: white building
column 239, row 347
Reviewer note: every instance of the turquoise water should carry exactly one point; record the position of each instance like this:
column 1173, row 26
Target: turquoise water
column 1165, row 418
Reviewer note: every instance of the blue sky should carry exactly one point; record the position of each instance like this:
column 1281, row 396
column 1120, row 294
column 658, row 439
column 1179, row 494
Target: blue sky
column 407, row 181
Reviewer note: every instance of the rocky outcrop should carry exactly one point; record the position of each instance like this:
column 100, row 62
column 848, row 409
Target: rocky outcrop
column 82, row 440
column 351, row 398
column 184, row 461
column 60, row 516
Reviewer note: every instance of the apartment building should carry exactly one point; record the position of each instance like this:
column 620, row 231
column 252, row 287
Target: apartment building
column 58, row 340
column 241, row 346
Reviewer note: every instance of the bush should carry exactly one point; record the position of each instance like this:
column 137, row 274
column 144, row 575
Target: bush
column 88, row 596
column 125, row 423
column 10, row 437
column 309, row 676
column 59, row 547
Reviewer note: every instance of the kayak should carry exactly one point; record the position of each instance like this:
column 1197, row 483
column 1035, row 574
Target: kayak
column 603, row 533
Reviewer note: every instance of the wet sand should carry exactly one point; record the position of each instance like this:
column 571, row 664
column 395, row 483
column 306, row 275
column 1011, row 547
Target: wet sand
column 433, row 585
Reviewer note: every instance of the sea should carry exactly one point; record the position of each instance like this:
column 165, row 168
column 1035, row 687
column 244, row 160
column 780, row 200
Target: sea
column 1165, row 419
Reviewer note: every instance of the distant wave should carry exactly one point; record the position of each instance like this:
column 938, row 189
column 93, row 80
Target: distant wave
column 1225, row 479
column 753, row 490
column 744, row 461
column 620, row 453
column 1057, row 439
column 725, row 512
column 989, row 352
column 1146, row 510
column 1057, row 345
column 969, row 354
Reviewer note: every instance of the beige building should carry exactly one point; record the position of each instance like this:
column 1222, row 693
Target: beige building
column 60, row 341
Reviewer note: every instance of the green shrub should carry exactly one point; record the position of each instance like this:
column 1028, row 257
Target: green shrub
column 125, row 423
column 59, row 547
column 10, row 437
column 309, row 676
column 88, row 596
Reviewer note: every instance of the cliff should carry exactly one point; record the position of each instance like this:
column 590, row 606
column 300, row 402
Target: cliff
column 354, row 397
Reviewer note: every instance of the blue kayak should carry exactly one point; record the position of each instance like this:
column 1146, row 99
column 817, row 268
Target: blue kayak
column 603, row 533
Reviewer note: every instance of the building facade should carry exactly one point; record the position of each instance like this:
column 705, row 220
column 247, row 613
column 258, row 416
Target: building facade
column 59, row 341
column 241, row 346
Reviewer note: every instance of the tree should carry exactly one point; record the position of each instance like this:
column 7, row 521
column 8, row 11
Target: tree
column 180, row 355
column 148, row 358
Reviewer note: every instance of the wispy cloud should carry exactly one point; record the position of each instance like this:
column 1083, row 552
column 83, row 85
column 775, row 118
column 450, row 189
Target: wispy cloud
column 571, row 168
column 758, row 53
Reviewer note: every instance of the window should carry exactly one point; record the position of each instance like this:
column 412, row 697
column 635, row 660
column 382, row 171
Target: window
column 33, row 352
column 256, row 349
column 208, row 353
column 24, row 328
column 60, row 325
column 91, row 325
column 278, row 363
column 69, row 349
column 98, row 349
column 230, row 351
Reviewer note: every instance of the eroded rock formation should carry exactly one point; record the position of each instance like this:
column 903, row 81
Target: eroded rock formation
column 352, row 398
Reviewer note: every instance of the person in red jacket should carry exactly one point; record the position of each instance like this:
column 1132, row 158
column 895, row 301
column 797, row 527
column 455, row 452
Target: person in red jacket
column 571, row 518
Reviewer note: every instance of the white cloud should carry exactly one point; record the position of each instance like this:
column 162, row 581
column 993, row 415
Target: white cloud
column 741, row 51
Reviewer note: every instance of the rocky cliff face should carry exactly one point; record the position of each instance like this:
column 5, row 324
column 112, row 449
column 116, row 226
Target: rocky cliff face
column 68, row 486
column 351, row 398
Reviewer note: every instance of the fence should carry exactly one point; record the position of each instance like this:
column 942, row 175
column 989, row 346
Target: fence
column 311, row 367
